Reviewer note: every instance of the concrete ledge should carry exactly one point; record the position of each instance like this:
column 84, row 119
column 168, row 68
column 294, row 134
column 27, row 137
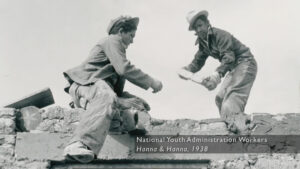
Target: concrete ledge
column 49, row 146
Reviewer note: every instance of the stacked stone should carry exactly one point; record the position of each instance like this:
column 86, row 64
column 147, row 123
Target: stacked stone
column 59, row 120
column 187, row 127
column 7, row 121
column 7, row 135
column 260, row 161
column 32, row 150
column 8, row 127
column 280, row 124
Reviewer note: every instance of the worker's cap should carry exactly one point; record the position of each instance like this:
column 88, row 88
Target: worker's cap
column 115, row 23
column 193, row 15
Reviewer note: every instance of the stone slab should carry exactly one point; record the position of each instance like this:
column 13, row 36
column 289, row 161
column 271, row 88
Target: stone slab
column 39, row 99
column 40, row 146
column 49, row 146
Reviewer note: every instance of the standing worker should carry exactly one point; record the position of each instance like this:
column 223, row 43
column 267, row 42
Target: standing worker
column 237, row 63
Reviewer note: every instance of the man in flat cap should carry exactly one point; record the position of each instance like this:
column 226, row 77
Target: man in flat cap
column 97, row 85
column 237, row 63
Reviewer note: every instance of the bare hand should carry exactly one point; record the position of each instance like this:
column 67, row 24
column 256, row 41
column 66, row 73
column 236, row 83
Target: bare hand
column 156, row 86
column 212, row 81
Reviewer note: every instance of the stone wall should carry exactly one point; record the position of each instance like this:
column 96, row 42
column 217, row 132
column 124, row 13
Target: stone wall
column 35, row 138
column 8, row 157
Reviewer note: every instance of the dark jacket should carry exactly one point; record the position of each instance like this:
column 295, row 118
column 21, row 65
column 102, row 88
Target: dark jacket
column 222, row 46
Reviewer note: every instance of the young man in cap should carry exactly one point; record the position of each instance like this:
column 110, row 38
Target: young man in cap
column 97, row 85
column 237, row 63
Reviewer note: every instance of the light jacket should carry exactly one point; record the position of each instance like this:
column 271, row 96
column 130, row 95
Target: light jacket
column 107, row 61
column 222, row 46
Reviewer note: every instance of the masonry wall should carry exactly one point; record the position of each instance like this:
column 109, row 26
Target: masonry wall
column 35, row 138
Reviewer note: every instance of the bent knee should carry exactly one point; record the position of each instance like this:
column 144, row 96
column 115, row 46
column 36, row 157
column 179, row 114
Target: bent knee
column 229, row 108
column 105, row 106
column 104, row 91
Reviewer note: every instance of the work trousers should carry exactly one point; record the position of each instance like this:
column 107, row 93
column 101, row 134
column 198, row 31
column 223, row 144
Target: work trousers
column 235, row 89
column 100, row 102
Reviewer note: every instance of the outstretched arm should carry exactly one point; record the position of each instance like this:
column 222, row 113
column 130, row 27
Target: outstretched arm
column 188, row 71
column 115, row 52
column 197, row 63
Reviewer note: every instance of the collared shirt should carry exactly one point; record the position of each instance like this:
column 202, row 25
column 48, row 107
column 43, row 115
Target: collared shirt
column 220, row 45
column 107, row 61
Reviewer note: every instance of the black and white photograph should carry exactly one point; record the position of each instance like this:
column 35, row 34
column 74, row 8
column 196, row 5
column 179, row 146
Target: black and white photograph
column 149, row 84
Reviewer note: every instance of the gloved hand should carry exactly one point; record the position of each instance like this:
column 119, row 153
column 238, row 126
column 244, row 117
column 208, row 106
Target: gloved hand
column 184, row 74
column 156, row 85
column 212, row 81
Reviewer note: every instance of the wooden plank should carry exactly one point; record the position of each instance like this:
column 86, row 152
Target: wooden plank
column 39, row 99
column 136, row 164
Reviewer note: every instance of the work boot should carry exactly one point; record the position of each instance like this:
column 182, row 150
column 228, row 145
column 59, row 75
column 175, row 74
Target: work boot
column 138, row 131
column 232, row 128
column 79, row 152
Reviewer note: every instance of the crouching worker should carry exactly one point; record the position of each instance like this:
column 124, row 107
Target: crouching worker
column 97, row 85
column 237, row 63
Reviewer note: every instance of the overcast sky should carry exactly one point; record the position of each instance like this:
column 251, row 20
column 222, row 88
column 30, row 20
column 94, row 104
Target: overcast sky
column 41, row 39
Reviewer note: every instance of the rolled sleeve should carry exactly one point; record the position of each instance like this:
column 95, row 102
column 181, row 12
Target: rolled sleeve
column 115, row 52
column 227, row 55
column 197, row 63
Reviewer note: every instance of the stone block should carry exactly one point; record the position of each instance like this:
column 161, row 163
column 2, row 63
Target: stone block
column 261, row 129
column 40, row 146
column 6, row 151
column 7, row 120
column 156, row 122
column 218, row 164
column 58, row 119
column 7, row 148
column 211, row 128
column 279, row 117
column 28, row 118
column 72, row 116
column 269, row 162
column 31, row 164
column 262, row 118
column 7, row 139
column 214, row 120
column 236, row 164
column 7, row 113
column 50, row 146
column 217, row 126
column 7, row 126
